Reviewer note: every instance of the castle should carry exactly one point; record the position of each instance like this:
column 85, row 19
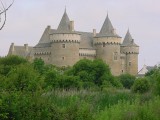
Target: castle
column 65, row 46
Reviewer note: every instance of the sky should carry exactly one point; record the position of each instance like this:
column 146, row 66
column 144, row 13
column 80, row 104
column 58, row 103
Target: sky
column 27, row 19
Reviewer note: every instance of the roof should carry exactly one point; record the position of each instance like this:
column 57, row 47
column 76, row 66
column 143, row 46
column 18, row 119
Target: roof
column 145, row 69
column 64, row 25
column 128, row 40
column 107, row 29
column 20, row 51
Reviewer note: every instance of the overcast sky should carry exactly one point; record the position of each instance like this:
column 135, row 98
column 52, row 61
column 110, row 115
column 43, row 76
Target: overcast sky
column 27, row 19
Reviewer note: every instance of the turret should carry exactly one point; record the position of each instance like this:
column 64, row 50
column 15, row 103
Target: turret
column 65, row 43
column 131, row 51
column 107, row 44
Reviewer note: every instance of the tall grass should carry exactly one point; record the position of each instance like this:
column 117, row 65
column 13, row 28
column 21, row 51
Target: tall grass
column 134, row 110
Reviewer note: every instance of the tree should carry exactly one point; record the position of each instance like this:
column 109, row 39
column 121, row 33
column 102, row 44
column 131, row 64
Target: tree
column 3, row 12
column 23, row 78
column 127, row 80
column 95, row 71
column 141, row 85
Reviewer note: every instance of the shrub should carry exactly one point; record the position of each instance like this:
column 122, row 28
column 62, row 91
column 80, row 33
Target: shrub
column 127, row 80
column 141, row 85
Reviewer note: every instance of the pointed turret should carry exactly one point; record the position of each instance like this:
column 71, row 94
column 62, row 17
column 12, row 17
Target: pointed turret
column 64, row 25
column 128, row 40
column 107, row 29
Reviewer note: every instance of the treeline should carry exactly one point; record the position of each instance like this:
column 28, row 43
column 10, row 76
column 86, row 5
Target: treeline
column 86, row 91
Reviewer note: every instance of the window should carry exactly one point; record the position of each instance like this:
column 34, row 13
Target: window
column 104, row 44
column 129, row 63
column 122, row 71
column 63, row 58
column 63, row 46
column 115, row 57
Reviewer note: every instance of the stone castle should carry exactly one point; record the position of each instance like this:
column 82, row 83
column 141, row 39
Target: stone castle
column 65, row 46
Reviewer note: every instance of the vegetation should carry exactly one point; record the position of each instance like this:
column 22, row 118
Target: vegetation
column 86, row 91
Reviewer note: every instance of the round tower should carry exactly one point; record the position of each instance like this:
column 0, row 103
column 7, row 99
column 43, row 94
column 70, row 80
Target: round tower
column 65, row 49
column 107, row 44
column 65, row 43
column 131, row 51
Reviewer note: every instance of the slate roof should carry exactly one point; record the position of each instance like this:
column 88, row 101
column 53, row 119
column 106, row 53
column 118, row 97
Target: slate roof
column 107, row 29
column 64, row 25
column 128, row 40
column 20, row 51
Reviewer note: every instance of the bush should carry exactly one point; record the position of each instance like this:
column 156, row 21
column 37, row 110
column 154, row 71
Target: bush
column 127, row 80
column 141, row 85
column 125, row 110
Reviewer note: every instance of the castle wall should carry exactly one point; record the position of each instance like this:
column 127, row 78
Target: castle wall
column 108, row 49
column 65, row 49
column 87, row 54
column 43, row 53
column 123, row 64
column 132, row 63
column 131, row 58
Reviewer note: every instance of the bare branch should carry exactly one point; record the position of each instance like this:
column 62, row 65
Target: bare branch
column 5, row 9
column 4, row 12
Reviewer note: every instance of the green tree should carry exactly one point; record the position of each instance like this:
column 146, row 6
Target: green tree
column 39, row 65
column 9, row 62
column 141, row 85
column 51, row 78
column 23, row 78
column 95, row 71
column 127, row 80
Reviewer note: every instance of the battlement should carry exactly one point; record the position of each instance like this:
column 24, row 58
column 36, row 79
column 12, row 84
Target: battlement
column 130, row 50
column 65, row 37
column 87, row 52
column 107, row 40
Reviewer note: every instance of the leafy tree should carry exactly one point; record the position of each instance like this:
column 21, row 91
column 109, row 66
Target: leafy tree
column 12, row 60
column 127, row 80
column 39, row 65
column 141, row 85
column 95, row 71
column 9, row 62
column 69, row 82
column 23, row 78
column 51, row 78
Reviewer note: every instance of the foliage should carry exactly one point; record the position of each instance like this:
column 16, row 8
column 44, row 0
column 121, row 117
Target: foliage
column 95, row 71
column 141, row 85
column 86, row 91
column 39, row 65
column 7, row 63
column 22, row 78
column 127, row 80
column 126, row 110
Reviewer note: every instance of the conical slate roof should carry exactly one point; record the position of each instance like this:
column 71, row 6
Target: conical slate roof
column 128, row 40
column 107, row 29
column 64, row 25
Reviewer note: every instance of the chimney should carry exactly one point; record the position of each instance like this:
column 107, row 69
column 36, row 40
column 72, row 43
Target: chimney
column 26, row 47
column 72, row 25
column 94, row 32
column 49, row 27
column 12, row 47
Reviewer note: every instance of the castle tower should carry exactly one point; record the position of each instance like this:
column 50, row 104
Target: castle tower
column 107, row 44
column 65, row 43
column 130, row 51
